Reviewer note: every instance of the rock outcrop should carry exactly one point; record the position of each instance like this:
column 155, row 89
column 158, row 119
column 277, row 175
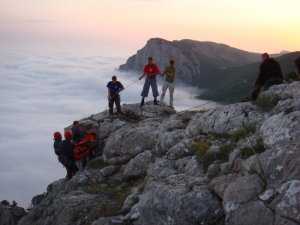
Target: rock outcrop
column 10, row 214
column 237, row 164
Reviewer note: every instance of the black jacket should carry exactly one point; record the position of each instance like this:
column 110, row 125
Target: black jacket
column 67, row 149
column 57, row 147
column 269, row 70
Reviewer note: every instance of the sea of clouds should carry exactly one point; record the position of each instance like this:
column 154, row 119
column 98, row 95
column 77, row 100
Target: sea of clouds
column 42, row 93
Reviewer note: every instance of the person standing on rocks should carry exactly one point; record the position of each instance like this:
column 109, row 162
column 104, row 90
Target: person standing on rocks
column 169, row 83
column 57, row 137
column 114, row 88
column 151, row 70
column 68, row 155
column 270, row 74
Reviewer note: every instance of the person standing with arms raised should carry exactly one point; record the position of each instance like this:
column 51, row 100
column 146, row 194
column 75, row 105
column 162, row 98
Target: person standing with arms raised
column 151, row 70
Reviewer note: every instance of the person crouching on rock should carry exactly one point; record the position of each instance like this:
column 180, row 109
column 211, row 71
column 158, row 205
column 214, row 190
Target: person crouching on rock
column 114, row 88
column 151, row 70
column 169, row 82
column 68, row 155
column 270, row 74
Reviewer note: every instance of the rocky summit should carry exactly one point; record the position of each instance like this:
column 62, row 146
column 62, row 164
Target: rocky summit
column 235, row 164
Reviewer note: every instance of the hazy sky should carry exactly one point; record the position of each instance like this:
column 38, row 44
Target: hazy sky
column 123, row 26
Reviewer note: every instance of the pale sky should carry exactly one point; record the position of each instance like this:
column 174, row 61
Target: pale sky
column 125, row 25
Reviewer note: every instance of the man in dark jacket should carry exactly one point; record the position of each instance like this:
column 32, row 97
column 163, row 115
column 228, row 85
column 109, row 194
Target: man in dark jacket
column 68, row 154
column 114, row 88
column 270, row 74
column 57, row 145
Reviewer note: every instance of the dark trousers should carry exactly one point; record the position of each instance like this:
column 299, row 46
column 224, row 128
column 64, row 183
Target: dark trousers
column 150, row 82
column 114, row 99
column 70, row 167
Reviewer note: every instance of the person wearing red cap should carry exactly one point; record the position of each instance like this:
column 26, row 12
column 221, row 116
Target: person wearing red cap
column 151, row 70
column 68, row 155
column 57, row 137
column 270, row 74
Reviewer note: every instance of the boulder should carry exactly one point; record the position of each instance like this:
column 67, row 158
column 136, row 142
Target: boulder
column 137, row 167
column 251, row 213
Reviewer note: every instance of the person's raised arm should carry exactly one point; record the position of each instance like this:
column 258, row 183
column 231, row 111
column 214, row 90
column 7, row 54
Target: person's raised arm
column 141, row 77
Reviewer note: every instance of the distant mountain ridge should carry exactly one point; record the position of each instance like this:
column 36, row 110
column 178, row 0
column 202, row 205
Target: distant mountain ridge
column 195, row 60
column 227, row 73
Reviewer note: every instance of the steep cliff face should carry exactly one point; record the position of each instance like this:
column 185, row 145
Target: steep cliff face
column 195, row 60
column 236, row 165
column 10, row 214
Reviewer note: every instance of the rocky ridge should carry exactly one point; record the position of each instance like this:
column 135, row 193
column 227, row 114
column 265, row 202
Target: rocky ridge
column 236, row 164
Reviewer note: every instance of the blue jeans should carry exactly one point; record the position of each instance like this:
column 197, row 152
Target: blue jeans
column 150, row 82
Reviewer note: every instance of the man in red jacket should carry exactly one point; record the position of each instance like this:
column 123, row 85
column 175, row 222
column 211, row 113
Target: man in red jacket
column 151, row 70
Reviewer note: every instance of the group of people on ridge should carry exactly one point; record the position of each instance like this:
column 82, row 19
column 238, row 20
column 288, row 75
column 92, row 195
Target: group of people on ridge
column 150, row 72
column 76, row 149
column 79, row 145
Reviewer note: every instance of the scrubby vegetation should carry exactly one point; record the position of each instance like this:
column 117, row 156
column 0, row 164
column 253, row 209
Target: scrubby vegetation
column 96, row 164
column 267, row 103
column 293, row 76
column 256, row 149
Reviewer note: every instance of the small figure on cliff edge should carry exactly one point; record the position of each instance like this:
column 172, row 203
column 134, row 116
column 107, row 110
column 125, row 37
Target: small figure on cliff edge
column 151, row 70
column 169, row 82
column 114, row 88
column 270, row 74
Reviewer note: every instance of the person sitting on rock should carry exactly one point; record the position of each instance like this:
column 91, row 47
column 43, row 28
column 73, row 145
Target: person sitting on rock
column 151, row 70
column 270, row 74
column 77, row 132
column 297, row 63
column 114, row 88
column 169, row 82
column 68, row 154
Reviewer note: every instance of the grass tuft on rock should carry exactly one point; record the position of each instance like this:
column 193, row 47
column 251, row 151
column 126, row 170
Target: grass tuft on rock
column 225, row 151
column 258, row 148
column 243, row 132
column 266, row 102
column 291, row 77
column 97, row 163
column 200, row 148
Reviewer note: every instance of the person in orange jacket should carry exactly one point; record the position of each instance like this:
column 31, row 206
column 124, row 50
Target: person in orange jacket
column 85, row 150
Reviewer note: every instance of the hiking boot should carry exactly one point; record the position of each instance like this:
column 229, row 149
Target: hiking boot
column 155, row 102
